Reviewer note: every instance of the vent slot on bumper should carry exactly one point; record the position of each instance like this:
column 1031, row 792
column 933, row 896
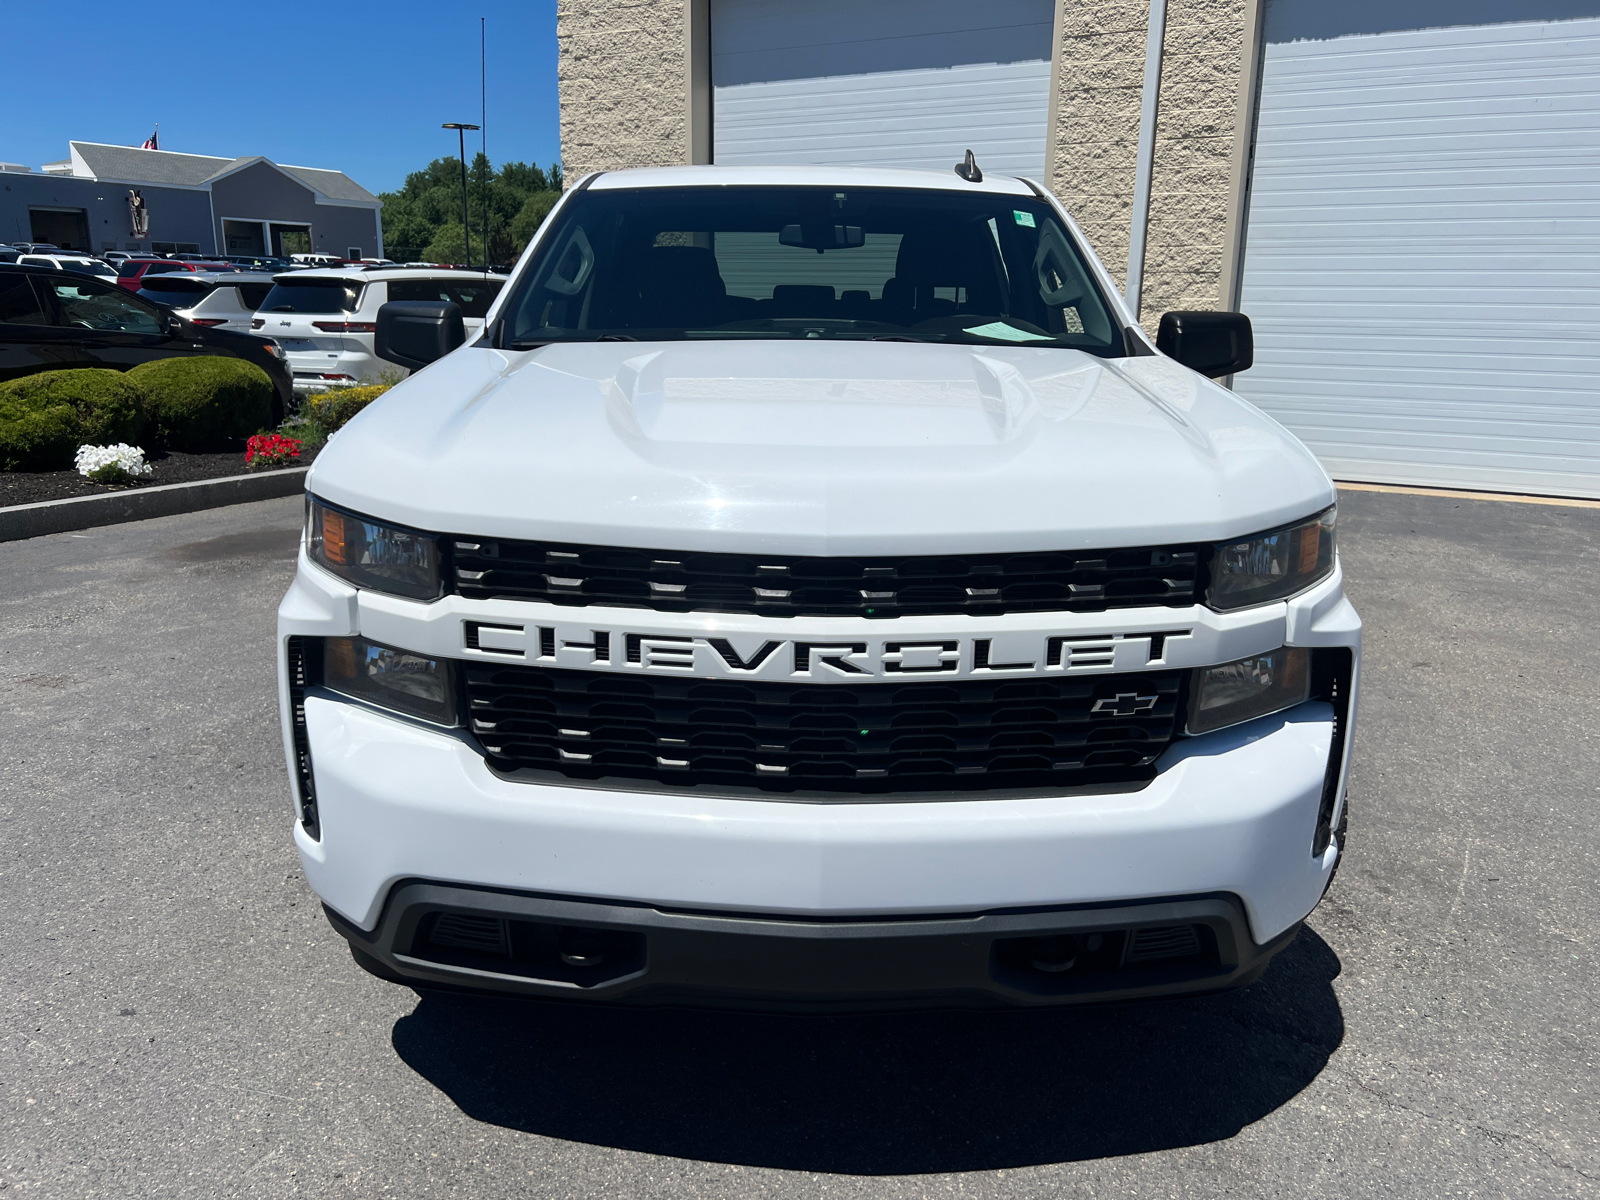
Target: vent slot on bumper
column 304, row 655
column 1332, row 675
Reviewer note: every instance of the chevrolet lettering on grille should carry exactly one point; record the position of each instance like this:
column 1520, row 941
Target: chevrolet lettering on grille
column 817, row 659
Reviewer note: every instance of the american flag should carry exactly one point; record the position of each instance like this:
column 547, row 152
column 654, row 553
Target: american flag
column 153, row 142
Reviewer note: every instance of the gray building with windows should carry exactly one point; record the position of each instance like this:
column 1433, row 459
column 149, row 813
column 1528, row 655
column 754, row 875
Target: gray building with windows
column 124, row 198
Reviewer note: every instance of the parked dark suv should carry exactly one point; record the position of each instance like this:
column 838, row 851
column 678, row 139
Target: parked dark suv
column 50, row 321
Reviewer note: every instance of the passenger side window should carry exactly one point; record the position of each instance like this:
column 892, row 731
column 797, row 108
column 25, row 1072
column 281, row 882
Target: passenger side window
column 19, row 303
column 96, row 306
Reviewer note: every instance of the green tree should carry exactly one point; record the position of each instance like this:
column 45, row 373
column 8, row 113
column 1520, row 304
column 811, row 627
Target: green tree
column 448, row 246
column 530, row 216
column 417, row 218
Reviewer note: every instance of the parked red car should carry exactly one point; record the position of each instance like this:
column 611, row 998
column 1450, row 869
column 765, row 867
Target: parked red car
column 130, row 271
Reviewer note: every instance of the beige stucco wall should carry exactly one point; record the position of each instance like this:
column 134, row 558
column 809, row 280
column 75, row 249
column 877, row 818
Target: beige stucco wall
column 623, row 84
column 1201, row 68
column 1099, row 79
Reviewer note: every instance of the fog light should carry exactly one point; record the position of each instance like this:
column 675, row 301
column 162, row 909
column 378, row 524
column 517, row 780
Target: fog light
column 1251, row 687
column 396, row 679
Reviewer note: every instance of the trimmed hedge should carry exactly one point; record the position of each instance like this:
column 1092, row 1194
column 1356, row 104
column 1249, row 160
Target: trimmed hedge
column 44, row 418
column 197, row 404
column 333, row 409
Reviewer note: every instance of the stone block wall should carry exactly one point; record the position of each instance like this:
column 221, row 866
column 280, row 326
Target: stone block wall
column 1202, row 64
column 1099, row 81
column 623, row 84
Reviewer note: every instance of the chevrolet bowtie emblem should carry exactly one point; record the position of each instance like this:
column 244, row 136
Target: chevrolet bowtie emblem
column 1124, row 704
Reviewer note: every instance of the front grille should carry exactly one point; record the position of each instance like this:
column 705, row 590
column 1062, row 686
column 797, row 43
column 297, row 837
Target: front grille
column 965, row 735
column 785, row 586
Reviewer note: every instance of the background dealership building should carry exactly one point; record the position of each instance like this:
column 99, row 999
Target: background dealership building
column 191, row 202
column 1404, row 197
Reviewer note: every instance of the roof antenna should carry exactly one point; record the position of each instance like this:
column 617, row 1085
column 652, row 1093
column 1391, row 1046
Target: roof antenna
column 968, row 169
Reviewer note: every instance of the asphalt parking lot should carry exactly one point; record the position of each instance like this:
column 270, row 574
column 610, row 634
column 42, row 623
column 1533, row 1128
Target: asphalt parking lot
column 181, row 1022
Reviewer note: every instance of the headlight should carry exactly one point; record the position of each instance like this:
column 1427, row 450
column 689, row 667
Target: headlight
column 397, row 679
column 1251, row 687
column 1272, row 565
column 384, row 558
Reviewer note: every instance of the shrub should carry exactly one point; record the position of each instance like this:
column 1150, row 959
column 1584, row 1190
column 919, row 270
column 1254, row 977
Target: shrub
column 304, row 430
column 44, row 418
column 201, row 403
column 332, row 410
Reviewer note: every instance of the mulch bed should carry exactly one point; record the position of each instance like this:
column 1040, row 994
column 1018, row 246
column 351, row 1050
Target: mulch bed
column 30, row 487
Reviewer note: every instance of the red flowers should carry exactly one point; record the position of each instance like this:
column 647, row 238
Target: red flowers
column 271, row 450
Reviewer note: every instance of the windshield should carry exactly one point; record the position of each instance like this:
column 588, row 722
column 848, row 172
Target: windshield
column 313, row 296
column 809, row 262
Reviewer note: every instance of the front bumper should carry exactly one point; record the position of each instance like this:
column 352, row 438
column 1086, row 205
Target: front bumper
column 559, row 948
column 1231, row 819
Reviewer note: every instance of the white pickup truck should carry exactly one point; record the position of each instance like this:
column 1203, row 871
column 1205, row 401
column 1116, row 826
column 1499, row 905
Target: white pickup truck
column 811, row 590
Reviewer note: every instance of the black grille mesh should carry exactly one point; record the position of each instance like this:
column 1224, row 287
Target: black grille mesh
column 963, row 735
column 785, row 586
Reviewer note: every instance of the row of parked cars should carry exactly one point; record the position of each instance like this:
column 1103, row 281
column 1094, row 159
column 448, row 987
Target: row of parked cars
column 310, row 328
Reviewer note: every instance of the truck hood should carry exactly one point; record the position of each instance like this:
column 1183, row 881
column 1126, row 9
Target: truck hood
column 819, row 448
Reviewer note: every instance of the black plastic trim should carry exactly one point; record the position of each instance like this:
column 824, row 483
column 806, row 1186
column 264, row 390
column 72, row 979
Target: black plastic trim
column 1332, row 677
column 304, row 659
column 796, row 964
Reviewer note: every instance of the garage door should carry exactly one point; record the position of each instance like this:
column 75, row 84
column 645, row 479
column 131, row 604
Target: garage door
column 1423, row 252
column 892, row 83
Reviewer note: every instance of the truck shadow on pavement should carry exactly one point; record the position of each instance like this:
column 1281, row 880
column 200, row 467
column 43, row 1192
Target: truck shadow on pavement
column 887, row 1094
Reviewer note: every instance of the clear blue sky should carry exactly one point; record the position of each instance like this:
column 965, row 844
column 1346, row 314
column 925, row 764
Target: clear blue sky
column 357, row 87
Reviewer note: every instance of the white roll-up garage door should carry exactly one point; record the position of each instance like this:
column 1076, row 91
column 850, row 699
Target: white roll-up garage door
column 1423, row 251
column 889, row 83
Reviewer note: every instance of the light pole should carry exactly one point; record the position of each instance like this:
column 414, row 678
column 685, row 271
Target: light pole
column 466, row 224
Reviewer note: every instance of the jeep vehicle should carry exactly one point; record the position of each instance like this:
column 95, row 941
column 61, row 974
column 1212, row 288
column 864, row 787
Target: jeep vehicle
column 324, row 319
column 810, row 589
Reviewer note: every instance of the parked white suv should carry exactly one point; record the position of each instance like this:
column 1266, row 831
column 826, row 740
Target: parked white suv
column 324, row 319
column 223, row 300
column 810, row 589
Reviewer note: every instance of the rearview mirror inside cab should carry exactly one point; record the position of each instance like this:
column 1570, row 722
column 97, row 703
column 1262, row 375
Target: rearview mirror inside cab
column 414, row 333
column 1212, row 343
column 822, row 237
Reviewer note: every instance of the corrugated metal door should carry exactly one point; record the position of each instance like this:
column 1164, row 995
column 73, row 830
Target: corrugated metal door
column 1423, row 253
column 888, row 83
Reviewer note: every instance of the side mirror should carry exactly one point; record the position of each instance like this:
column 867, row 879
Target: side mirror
column 414, row 333
column 1213, row 343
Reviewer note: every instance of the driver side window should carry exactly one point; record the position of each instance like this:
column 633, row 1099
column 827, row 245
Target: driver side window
column 88, row 305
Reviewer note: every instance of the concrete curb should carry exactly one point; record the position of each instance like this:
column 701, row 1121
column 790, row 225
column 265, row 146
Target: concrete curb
column 140, row 504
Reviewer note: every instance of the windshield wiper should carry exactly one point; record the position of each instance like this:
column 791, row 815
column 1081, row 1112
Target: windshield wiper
column 535, row 343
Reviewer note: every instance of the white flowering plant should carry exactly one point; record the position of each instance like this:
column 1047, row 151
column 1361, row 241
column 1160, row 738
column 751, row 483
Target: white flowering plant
column 121, row 463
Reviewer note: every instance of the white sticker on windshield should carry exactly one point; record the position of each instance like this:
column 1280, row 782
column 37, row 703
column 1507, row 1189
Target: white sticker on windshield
column 1002, row 332
column 1023, row 218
